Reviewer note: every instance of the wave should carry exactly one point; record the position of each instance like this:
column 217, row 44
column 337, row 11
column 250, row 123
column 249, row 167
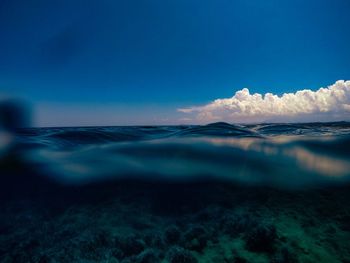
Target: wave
column 219, row 129
column 283, row 155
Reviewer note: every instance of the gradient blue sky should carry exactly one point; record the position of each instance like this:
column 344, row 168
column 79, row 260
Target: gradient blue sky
column 131, row 62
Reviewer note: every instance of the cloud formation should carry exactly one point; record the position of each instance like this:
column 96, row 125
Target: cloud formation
column 325, row 104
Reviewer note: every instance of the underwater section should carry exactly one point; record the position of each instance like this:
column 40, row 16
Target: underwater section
column 178, row 194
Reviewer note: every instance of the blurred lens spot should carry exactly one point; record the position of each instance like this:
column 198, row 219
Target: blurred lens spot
column 14, row 114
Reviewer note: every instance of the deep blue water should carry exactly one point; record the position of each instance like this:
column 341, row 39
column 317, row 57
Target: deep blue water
column 176, row 194
column 282, row 155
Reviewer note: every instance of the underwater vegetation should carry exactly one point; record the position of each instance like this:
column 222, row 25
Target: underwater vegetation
column 205, row 222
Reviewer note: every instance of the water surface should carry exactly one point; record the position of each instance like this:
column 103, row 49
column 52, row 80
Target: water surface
column 213, row 193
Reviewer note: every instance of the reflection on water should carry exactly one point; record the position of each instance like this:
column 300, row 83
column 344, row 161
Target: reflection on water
column 315, row 154
column 292, row 147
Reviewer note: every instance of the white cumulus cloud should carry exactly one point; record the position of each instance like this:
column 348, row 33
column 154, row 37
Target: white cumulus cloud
column 325, row 104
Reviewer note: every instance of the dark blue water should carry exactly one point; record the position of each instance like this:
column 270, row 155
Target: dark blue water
column 287, row 155
column 176, row 194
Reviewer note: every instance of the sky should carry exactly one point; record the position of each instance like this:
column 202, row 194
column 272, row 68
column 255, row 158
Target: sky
column 147, row 62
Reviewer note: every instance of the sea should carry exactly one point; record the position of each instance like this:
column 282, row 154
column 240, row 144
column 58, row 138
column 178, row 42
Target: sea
column 269, row 192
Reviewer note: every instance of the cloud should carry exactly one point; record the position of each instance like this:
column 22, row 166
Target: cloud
column 325, row 104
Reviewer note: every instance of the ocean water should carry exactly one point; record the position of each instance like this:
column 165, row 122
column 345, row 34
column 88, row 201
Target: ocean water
column 178, row 194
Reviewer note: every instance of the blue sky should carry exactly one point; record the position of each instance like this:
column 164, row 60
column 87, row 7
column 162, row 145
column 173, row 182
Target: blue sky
column 136, row 62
